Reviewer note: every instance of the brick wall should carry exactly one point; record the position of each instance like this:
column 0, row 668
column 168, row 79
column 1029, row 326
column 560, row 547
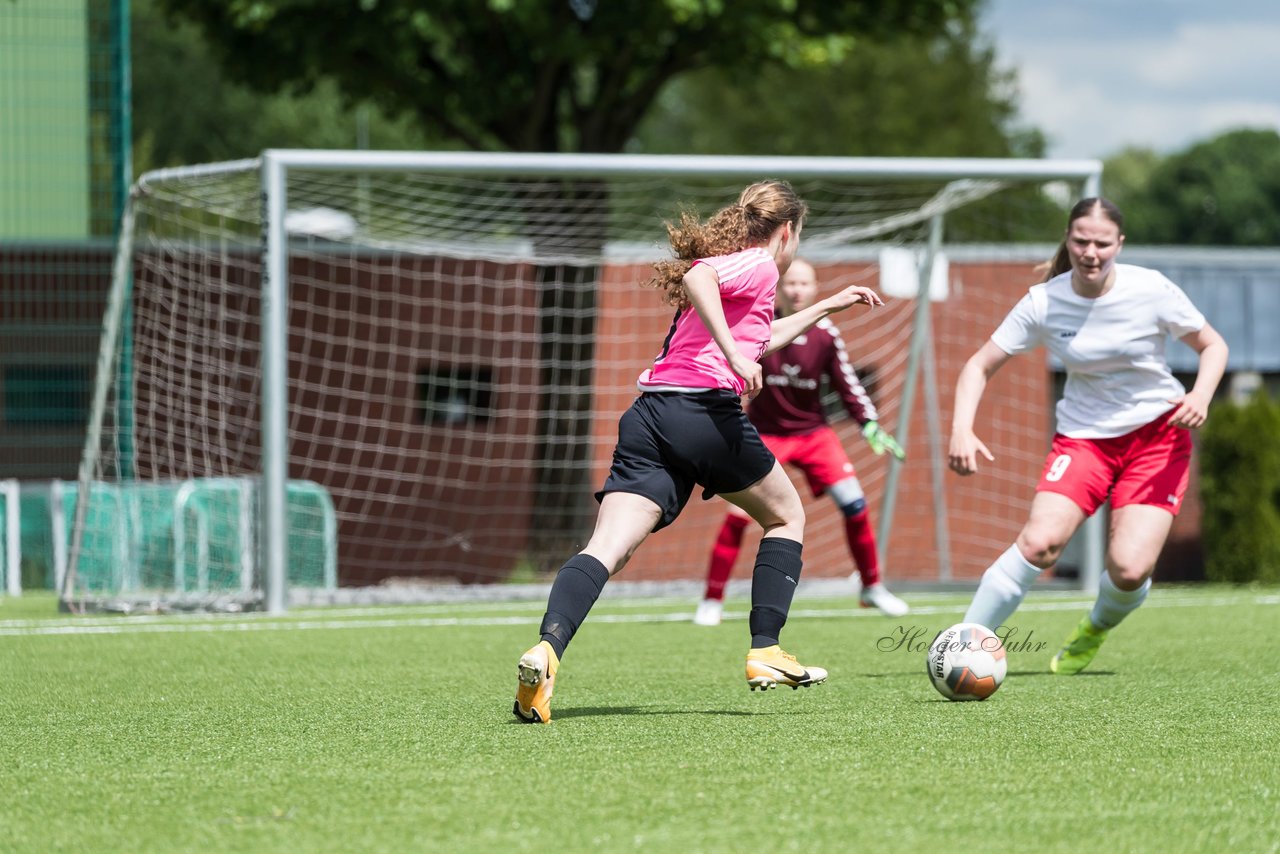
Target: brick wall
column 984, row 512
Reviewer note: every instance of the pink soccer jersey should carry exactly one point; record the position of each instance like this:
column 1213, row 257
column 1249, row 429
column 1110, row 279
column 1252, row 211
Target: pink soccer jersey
column 690, row 358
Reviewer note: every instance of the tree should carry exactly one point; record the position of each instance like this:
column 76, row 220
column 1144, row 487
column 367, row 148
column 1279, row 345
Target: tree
column 1126, row 179
column 1240, row 485
column 907, row 95
column 574, row 75
column 1224, row 191
column 172, row 60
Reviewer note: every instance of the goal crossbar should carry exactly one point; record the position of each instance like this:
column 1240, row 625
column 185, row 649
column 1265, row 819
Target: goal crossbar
column 606, row 165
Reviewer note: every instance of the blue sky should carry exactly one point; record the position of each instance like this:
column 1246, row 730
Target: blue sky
column 1097, row 76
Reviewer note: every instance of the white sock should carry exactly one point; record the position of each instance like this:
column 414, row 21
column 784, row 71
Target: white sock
column 1114, row 604
column 1001, row 590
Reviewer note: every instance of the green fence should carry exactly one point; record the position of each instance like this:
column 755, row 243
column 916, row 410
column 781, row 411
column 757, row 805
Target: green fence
column 190, row 536
column 64, row 141
column 64, row 174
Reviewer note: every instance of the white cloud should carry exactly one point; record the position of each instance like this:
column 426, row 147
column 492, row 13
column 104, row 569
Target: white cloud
column 1096, row 77
column 1210, row 57
column 1084, row 118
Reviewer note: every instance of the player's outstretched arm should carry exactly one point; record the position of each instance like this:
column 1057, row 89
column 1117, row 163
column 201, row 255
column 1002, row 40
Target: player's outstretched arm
column 786, row 329
column 962, row 454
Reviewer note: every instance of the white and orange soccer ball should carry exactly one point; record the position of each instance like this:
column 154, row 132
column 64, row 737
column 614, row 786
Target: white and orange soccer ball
column 967, row 662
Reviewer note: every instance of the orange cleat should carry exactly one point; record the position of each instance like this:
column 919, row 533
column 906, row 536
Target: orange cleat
column 537, row 675
column 770, row 667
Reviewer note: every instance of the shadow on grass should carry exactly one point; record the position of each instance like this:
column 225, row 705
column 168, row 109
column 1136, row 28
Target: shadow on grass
column 1023, row 673
column 1019, row 674
column 601, row 711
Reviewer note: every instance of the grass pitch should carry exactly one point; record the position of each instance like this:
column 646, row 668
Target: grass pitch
column 389, row 729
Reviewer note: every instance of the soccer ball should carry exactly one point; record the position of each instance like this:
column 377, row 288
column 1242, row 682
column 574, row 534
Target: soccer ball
column 967, row 662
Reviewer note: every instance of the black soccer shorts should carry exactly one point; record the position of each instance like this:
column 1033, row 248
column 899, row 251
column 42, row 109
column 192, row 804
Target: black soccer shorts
column 668, row 442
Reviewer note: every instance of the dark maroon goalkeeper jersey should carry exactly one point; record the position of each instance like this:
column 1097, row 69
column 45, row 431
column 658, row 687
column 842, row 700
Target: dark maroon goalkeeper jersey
column 790, row 403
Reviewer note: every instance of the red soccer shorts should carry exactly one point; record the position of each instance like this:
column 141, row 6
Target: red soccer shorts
column 818, row 454
column 1150, row 465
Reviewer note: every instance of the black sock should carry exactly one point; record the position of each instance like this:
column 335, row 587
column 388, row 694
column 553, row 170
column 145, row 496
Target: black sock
column 773, row 583
column 575, row 590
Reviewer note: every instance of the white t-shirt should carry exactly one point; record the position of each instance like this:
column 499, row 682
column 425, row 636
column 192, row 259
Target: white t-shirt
column 1112, row 346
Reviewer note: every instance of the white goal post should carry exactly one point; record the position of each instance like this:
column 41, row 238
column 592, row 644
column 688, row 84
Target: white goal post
column 358, row 343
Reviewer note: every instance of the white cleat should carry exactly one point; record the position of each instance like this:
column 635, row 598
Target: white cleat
column 878, row 596
column 709, row 612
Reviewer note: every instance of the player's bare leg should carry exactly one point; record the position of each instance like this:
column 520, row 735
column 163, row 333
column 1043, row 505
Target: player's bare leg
column 1053, row 519
column 1138, row 533
column 623, row 523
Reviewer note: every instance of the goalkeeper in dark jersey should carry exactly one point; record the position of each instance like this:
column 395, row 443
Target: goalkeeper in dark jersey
column 788, row 414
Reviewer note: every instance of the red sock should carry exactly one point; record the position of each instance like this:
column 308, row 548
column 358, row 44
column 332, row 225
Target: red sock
column 862, row 545
column 723, row 555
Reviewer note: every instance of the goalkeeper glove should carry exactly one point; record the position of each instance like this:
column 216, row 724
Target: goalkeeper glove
column 880, row 440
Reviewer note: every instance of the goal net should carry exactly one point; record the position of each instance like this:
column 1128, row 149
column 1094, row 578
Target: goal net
column 363, row 369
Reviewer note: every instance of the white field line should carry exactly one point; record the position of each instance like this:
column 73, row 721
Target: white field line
column 380, row 620
column 375, row 611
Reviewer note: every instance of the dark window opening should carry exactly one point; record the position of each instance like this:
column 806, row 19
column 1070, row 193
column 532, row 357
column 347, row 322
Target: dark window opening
column 455, row 396
column 46, row 395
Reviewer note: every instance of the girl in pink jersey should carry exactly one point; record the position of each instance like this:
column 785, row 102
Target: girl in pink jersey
column 687, row 429
column 793, row 424
column 1123, row 421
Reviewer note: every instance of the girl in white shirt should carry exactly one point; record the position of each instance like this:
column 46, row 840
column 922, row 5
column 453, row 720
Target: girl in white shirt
column 1122, row 423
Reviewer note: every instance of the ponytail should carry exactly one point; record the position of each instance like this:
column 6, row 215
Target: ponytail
column 1057, row 265
column 761, row 209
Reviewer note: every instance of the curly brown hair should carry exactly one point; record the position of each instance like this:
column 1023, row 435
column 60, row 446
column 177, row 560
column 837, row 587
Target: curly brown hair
column 761, row 209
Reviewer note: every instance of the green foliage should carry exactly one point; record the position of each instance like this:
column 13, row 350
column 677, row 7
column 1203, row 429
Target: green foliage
column 1127, row 179
column 1224, row 191
column 564, row 76
column 179, row 120
column 1240, row 487
column 938, row 95
column 905, row 96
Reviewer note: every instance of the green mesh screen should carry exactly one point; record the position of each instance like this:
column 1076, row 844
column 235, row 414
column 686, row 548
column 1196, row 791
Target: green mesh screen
column 64, row 174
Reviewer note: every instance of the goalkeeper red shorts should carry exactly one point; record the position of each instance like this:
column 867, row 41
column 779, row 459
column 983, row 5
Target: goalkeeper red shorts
column 1150, row 465
column 818, row 454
